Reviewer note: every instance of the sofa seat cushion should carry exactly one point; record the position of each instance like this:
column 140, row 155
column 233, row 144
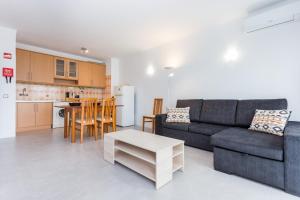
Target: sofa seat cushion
column 206, row 129
column 250, row 142
column 176, row 126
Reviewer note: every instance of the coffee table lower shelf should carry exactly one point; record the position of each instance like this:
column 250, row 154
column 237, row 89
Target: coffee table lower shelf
column 157, row 166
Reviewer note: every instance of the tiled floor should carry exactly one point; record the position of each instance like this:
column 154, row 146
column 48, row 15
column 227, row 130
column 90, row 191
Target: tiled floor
column 43, row 165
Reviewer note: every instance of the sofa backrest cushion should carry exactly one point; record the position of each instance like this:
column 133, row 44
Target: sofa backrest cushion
column 246, row 109
column 219, row 111
column 195, row 107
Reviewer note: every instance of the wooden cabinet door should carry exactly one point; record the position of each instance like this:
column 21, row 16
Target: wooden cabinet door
column 72, row 70
column 44, row 114
column 85, row 74
column 23, row 65
column 42, row 68
column 60, row 68
column 98, row 75
column 25, row 116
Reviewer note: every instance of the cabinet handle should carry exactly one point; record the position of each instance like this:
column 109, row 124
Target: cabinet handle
column 31, row 76
column 37, row 108
column 28, row 76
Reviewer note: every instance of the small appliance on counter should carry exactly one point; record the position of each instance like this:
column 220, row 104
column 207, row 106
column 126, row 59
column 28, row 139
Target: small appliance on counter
column 71, row 95
column 67, row 95
column 125, row 105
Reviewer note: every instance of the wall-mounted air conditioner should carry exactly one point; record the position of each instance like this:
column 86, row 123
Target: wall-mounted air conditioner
column 273, row 16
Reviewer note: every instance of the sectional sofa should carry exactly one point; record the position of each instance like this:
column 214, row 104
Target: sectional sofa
column 222, row 126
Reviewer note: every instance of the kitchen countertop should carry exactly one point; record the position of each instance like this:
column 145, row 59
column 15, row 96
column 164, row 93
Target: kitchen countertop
column 35, row 101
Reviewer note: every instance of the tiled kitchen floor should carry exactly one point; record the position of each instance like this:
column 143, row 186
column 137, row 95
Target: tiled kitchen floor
column 43, row 165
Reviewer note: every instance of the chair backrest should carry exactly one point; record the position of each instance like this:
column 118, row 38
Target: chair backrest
column 108, row 109
column 157, row 107
column 89, row 109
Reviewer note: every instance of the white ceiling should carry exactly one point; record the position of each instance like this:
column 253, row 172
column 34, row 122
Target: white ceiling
column 115, row 27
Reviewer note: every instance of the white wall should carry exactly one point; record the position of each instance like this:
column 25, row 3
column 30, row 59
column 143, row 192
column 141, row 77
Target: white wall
column 112, row 69
column 7, row 91
column 268, row 67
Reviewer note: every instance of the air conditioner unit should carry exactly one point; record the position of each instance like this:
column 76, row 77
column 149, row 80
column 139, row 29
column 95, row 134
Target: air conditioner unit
column 273, row 16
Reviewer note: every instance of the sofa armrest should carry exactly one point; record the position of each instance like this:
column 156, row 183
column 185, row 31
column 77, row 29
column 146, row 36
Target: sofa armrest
column 159, row 119
column 292, row 157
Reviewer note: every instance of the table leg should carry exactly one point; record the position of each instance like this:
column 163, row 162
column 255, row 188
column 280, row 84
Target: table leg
column 164, row 167
column 73, row 127
column 66, row 124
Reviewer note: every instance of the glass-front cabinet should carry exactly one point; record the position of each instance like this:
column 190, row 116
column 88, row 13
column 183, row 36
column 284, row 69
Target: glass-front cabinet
column 73, row 70
column 60, row 68
column 66, row 69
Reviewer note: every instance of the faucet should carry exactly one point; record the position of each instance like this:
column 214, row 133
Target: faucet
column 23, row 94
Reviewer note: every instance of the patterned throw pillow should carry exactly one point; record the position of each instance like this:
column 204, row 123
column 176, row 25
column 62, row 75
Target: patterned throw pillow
column 181, row 115
column 270, row 121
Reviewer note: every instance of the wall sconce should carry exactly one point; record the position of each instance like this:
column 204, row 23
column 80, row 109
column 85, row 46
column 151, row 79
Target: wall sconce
column 150, row 70
column 231, row 55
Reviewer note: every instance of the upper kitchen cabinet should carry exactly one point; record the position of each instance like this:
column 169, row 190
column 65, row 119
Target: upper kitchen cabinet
column 42, row 68
column 23, row 65
column 72, row 69
column 60, row 68
column 34, row 67
column 98, row 75
column 66, row 69
column 91, row 74
column 85, row 74
column 45, row 69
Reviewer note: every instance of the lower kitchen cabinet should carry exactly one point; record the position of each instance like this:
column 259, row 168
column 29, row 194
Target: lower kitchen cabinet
column 33, row 116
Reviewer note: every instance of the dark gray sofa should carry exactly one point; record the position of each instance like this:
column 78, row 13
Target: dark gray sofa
column 222, row 126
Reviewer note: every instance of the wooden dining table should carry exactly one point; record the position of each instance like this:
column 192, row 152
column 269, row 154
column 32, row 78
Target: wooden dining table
column 70, row 112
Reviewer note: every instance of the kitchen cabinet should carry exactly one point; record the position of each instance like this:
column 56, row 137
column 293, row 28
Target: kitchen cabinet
column 34, row 67
column 41, row 68
column 98, row 75
column 25, row 116
column 66, row 69
column 60, row 68
column 43, row 114
column 85, row 73
column 92, row 74
column 38, row 68
column 33, row 116
column 23, row 65
column 72, row 69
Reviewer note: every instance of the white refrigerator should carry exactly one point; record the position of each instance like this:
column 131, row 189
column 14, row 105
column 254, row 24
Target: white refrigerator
column 125, row 105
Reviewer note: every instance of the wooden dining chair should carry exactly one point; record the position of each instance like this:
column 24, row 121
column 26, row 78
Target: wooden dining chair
column 107, row 115
column 157, row 109
column 87, row 117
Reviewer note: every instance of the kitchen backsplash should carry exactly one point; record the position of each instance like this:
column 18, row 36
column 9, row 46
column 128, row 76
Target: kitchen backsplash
column 47, row 92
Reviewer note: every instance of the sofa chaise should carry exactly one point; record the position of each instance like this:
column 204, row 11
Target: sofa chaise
column 222, row 126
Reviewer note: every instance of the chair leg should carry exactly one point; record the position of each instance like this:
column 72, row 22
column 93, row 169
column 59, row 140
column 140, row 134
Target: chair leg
column 69, row 128
column 114, row 127
column 143, row 124
column 95, row 131
column 106, row 128
column 102, row 130
column 153, row 125
column 81, row 133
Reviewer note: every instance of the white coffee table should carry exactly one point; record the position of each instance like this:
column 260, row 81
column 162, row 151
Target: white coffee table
column 155, row 157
